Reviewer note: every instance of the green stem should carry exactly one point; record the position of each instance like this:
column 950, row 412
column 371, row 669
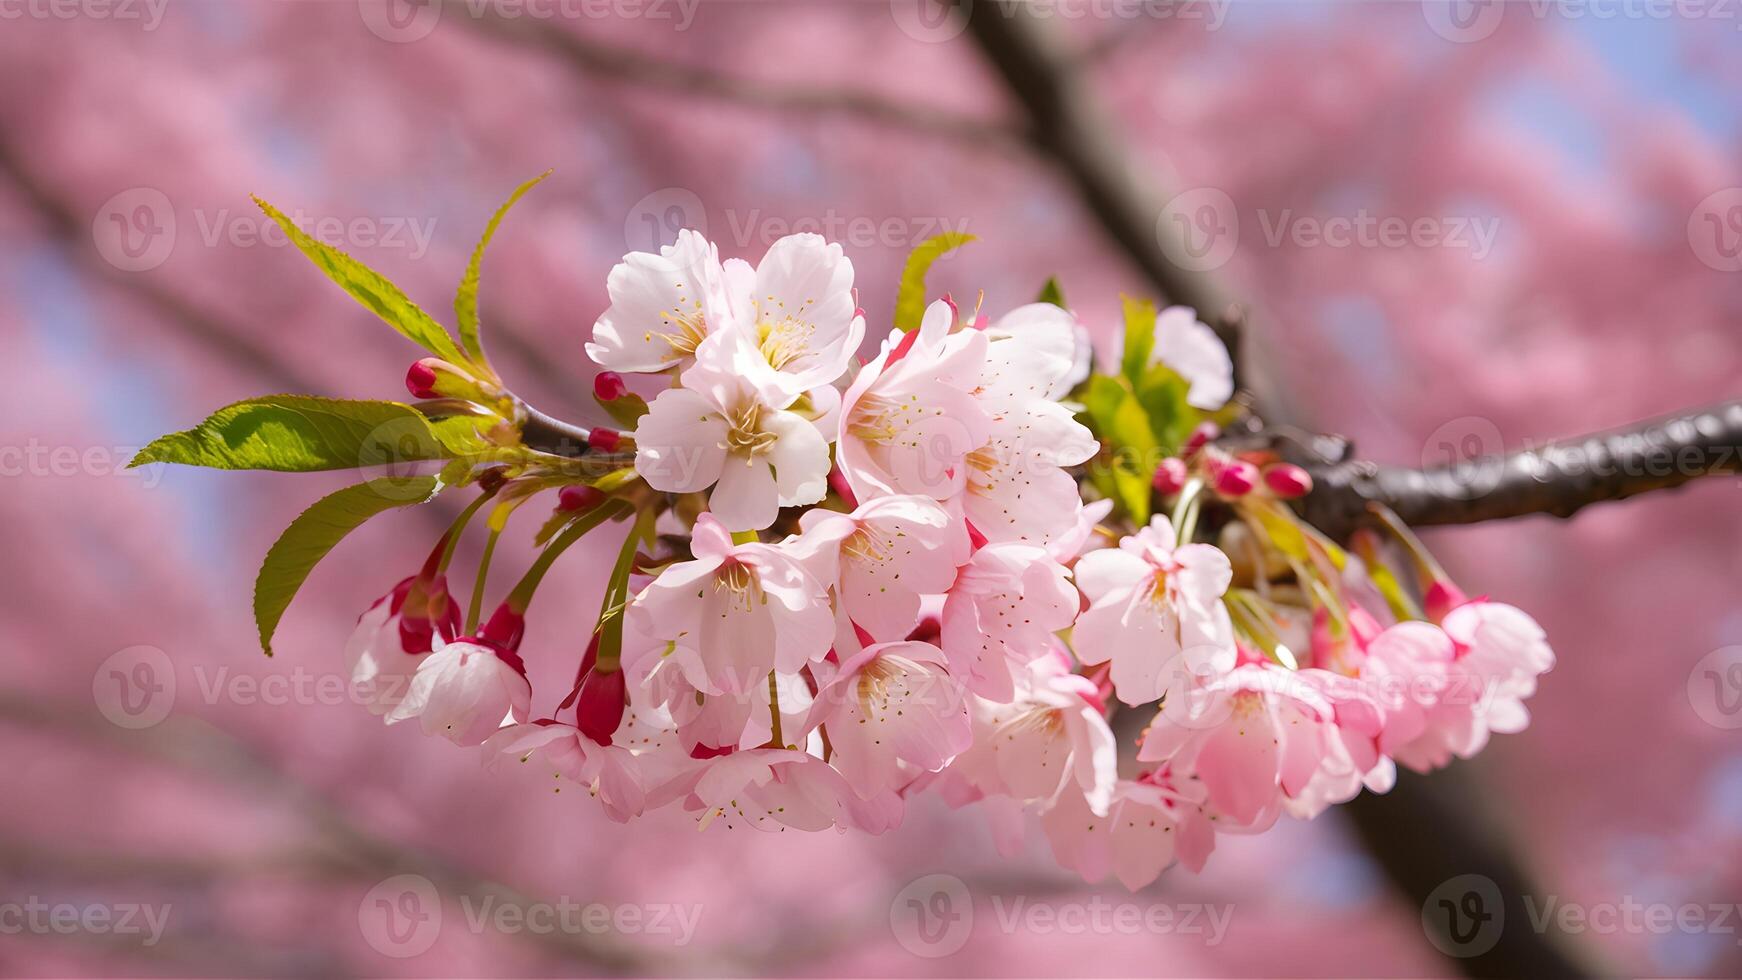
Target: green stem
column 611, row 612
column 521, row 597
column 477, row 607
column 458, row 528
column 1185, row 511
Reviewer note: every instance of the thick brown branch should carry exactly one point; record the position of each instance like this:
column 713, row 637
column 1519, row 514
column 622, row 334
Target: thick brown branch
column 1041, row 72
column 1559, row 478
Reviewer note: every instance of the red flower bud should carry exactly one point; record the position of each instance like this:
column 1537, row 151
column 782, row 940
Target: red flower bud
column 1200, row 437
column 608, row 386
column 420, row 380
column 599, row 712
column 604, row 440
column 1236, row 478
column 579, row 498
column 1442, row 597
column 1288, row 481
column 1170, row 476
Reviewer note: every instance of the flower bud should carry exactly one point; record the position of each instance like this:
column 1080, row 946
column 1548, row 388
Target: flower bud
column 1442, row 597
column 608, row 386
column 579, row 498
column 433, row 377
column 1288, row 481
column 599, row 711
column 1200, row 437
column 1170, row 476
column 604, row 440
column 504, row 630
column 1236, row 478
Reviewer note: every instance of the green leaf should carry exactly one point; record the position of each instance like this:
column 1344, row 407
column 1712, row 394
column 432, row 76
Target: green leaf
column 1051, row 293
column 466, row 301
column 1139, row 337
column 910, row 298
column 1123, row 428
column 371, row 289
column 300, row 434
column 1163, row 395
column 315, row 532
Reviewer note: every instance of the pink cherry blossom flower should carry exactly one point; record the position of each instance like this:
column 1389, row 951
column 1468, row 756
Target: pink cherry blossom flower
column 910, row 419
column 1254, row 736
column 774, row 789
column 1017, row 486
column 894, row 704
column 617, row 775
column 880, row 559
column 394, row 634
column 795, row 321
column 1193, row 351
column 1155, row 610
column 1147, row 826
column 717, row 431
column 736, row 612
column 662, row 307
column 465, row 690
column 1002, row 612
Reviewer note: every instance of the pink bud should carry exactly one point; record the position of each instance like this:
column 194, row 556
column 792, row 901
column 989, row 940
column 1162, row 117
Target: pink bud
column 599, row 712
column 1170, row 476
column 1288, row 481
column 1236, row 478
column 608, row 386
column 1201, row 437
column 1442, row 597
column 604, row 440
column 420, row 380
column 579, row 498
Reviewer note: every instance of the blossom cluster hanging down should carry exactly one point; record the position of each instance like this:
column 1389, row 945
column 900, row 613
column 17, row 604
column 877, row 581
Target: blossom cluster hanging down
column 974, row 564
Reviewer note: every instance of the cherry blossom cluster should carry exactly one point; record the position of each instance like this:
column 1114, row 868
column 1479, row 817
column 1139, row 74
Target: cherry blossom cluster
column 846, row 583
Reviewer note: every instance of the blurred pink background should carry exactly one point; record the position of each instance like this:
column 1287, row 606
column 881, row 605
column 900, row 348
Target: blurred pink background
column 1573, row 171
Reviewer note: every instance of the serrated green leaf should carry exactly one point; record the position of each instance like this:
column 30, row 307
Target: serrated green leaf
column 1052, row 293
column 910, row 298
column 371, row 289
column 466, row 300
column 300, row 434
column 1139, row 317
column 314, row 533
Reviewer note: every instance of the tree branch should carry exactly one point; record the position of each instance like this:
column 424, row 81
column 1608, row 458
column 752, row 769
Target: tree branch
column 1560, row 478
column 1040, row 71
column 621, row 64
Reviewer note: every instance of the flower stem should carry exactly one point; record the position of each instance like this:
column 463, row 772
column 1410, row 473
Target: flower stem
column 774, row 709
column 475, row 611
column 521, row 597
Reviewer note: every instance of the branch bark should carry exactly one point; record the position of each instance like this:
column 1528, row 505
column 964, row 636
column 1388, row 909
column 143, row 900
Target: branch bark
column 1560, row 478
column 1067, row 123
